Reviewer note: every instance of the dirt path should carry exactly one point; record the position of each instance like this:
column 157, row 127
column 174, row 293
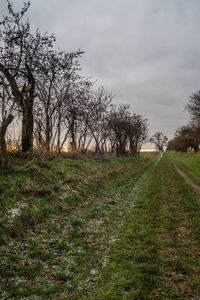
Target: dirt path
column 188, row 180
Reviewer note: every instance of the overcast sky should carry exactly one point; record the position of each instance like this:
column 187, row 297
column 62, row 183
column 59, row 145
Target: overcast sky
column 147, row 52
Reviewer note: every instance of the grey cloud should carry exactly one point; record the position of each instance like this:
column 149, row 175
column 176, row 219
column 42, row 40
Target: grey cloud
column 145, row 51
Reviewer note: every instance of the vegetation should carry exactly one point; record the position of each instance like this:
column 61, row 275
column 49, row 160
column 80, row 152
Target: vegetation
column 156, row 256
column 189, row 163
column 159, row 140
column 59, row 220
column 120, row 228
column 59, row 109
column 187, row 137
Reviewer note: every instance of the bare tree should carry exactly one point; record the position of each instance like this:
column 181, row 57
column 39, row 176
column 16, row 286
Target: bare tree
column 118, row 119
column 193, row 107
column 98, row 108
column 20, row 52
column 54, row 81
column 187, row 138
column 137, row 133
column 7, row 115
column 128, row 131
column 159, row 140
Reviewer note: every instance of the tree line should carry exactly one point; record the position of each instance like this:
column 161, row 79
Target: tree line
column 57, row 106
column 187, row 138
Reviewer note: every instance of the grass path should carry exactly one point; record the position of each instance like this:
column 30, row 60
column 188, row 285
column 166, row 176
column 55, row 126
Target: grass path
column 157, row 256
column 133, row 234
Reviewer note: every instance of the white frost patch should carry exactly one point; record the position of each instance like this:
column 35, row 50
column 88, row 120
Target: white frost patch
column 105, row 261
column 93, row 226
column 113, row 240
column 14, row 212
column 93, row 272
column 66, row 187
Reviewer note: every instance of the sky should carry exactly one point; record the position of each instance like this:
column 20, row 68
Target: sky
column 146, row 52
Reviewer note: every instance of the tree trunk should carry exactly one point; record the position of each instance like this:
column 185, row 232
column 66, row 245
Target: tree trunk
column 3, row 150
column 133, row 148
column 27, row 131
column 47, row 133
column 59, row 130
column 73, row 136
column 73, row 142
column 27, row 121
column 25, row 101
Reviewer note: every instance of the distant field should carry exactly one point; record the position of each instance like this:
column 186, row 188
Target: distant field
column 114, row 228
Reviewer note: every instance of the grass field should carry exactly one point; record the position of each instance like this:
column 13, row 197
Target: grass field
column 123, row 228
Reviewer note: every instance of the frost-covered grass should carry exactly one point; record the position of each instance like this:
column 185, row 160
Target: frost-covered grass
column 59, row 222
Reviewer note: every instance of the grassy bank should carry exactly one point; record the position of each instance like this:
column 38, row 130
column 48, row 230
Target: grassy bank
column 59, row 220
column 33, row 191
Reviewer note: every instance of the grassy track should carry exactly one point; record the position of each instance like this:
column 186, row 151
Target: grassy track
column 120, row 229
column 157, row 255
